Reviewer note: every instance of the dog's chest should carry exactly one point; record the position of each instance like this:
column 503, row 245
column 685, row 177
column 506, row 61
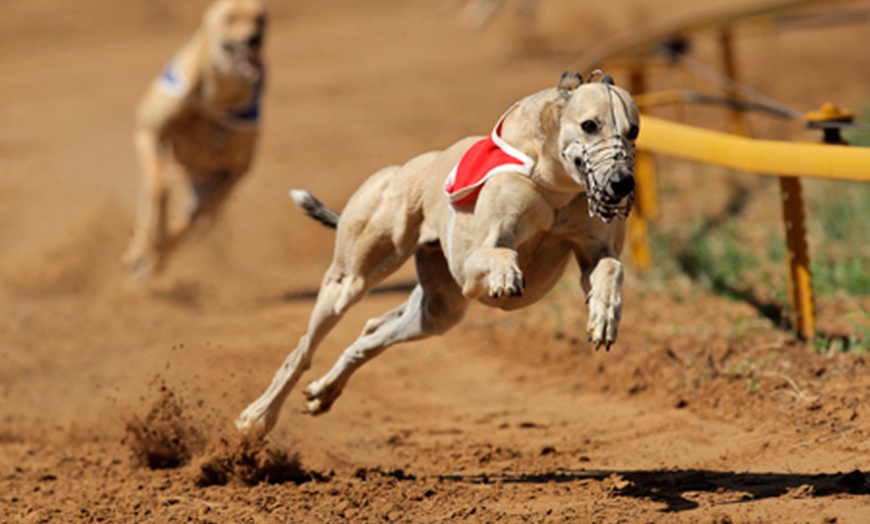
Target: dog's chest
column 230, row 101
column 573, row 220
column 203, row 143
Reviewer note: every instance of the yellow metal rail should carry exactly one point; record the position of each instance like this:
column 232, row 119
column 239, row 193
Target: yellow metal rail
column 765, row 157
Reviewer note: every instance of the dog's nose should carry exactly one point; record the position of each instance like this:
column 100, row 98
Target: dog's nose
column 623, row 186
column 255, row 40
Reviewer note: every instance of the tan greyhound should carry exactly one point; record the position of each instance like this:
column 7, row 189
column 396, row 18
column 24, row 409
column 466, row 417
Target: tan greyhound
column 492, row 219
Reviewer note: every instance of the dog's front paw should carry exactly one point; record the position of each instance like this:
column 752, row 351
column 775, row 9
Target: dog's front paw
column 494, row 272
column 505, row 280
column 603, row 323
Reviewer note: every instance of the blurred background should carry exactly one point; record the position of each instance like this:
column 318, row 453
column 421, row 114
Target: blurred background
column 352, row 88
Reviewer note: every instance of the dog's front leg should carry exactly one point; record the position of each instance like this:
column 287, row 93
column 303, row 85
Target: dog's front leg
column 508, row 213
column 143, row 255
column 602, row 281
column 156, row 111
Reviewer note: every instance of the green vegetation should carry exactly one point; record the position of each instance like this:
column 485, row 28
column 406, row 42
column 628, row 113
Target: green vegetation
column 749, row 369
column 859, row 137
column 858, row 341
column 740, row 252
column 840, row 215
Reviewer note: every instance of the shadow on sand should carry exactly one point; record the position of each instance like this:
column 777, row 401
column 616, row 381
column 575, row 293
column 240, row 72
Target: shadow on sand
column 671, row 486
column 384, row 289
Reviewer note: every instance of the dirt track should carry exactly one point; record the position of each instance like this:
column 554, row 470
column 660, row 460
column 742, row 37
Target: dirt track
column 703, row 412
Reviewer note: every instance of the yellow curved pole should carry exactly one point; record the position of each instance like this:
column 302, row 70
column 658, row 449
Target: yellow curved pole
column 765, row 157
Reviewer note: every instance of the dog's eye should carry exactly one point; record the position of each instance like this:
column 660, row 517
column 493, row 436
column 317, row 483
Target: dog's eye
column 633, row 131
column 589, row 126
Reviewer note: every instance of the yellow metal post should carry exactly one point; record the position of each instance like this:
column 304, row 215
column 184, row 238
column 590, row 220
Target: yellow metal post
column 644, row 208
column 644, row 191
column 800, row 278
column 726, row 46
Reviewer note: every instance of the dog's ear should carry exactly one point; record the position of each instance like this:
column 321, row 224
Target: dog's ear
column 552, row 110
column 605, row 78
column 568, row 82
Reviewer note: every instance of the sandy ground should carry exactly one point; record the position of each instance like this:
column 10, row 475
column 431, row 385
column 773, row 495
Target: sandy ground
column 117, row 401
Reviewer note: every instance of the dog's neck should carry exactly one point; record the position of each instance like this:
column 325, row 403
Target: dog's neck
column 226, row 87
column 221, row 85
column 531, row 130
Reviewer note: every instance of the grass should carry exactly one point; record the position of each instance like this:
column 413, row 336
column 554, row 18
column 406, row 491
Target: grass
column 858, row 341
column 858, row 137
column 719, row 259
column 748, row 369
column 740, row 251
column 840, row 213
column 839, row 236
column 849, row 275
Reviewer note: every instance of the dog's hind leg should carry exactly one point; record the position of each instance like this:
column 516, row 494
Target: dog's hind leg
column 207, row 196
column 337, row 294
column 360, row 263
column 377, row 232
column 436, row 304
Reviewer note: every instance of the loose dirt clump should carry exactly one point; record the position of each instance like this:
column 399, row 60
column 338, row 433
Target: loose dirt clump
column 169, row 436
column 166, row 436
column 250, row 462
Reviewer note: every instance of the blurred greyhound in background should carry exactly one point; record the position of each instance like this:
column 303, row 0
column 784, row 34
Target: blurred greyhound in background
column 203, row 112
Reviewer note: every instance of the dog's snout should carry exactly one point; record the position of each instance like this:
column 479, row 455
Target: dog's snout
column 255, row 40
column 623, row 186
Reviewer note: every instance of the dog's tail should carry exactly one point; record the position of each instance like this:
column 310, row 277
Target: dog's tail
column 315, row 208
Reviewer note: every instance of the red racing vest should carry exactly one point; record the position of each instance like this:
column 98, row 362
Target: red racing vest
column 485, row 158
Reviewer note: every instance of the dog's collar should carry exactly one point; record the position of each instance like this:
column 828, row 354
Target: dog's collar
column 483, row 159
column 173, row 82
column 250, row 114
